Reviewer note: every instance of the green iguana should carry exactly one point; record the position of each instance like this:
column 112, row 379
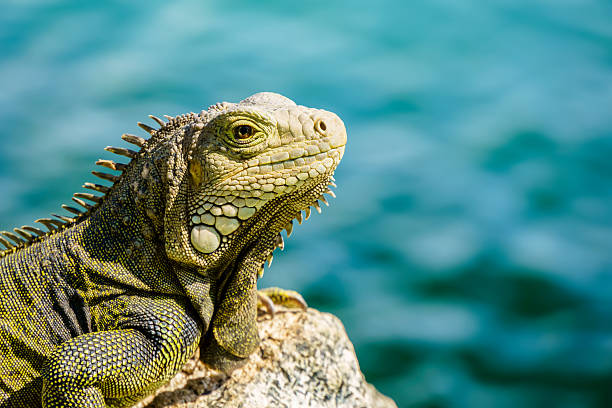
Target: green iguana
column 109, row 303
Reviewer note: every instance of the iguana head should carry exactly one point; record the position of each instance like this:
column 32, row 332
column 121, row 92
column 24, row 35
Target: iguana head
column 252, row 168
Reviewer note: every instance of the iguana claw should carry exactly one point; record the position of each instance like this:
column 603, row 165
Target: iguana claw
column 268, row 297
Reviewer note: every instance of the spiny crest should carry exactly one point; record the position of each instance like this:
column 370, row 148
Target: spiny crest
column 26, row 235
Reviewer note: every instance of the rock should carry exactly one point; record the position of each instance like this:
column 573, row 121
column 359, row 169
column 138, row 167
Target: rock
column 305, row 359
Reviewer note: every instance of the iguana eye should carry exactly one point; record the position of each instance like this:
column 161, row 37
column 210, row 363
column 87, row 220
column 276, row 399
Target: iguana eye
column 243, row 132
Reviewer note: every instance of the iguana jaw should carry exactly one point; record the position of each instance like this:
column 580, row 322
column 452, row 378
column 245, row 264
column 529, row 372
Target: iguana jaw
column 218, row 221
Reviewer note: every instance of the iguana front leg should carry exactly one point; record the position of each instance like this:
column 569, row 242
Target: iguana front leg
column 146, row 341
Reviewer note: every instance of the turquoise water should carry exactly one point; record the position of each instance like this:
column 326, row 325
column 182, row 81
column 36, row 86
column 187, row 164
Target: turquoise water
column 469, row 250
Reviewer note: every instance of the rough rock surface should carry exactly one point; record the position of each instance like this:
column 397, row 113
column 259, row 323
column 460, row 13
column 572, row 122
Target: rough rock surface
column 305, row 360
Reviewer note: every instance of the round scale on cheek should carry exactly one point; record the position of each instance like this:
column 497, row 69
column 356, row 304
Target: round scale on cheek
column 208, row 219
column 205, row 239
column 252, row 202
column 245, row 213
column 226, row 225
column 229, row 210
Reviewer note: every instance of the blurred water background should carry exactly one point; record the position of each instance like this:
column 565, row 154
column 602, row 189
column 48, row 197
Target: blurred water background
column 469, row 251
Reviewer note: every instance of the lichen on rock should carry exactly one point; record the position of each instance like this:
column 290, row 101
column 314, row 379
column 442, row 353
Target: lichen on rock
column 305, row 359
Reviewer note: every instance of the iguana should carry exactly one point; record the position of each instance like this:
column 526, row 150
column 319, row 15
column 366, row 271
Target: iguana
column 110, row 302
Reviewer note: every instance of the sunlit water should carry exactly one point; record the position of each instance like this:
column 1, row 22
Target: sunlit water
column 469, row 250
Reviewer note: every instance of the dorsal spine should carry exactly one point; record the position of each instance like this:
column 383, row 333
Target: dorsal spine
column 26, row 235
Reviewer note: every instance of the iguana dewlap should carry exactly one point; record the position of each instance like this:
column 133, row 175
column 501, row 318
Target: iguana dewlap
column 111, row 301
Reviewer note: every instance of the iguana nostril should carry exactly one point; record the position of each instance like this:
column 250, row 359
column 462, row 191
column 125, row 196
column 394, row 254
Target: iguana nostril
column 320, row 126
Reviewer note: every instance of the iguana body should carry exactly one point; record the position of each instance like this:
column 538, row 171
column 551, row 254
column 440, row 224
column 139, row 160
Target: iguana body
column 108, row 305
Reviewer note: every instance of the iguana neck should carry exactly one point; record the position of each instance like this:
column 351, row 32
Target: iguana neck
column 121, row 243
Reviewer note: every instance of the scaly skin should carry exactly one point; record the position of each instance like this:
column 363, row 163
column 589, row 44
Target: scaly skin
column 107, row 306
